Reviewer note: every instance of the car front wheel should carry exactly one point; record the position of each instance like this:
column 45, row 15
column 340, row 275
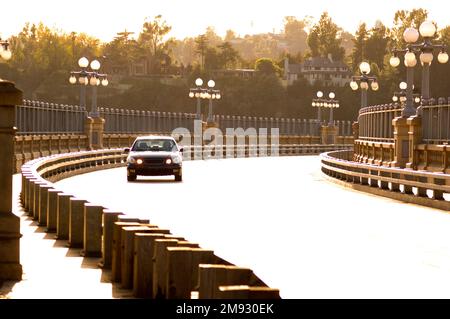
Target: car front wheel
column 178, row 177
column 131, row 178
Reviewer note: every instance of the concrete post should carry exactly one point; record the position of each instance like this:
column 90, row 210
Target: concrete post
column 213, row 276
column 52, row 210
column 144, row 249
column 160, row 264
column 329, row 134
column 76, row 222
column 401, row 142
column 127, row 259
column 415, row 138
column 62, row 216
column 43, row 204
column 92, row 232
column 109, row 218
column 183, row 263
column 10, row 267
column 98, row 127
column 117, row 249
column 36, row 199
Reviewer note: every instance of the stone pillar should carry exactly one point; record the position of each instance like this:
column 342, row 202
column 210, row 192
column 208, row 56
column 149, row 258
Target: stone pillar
column 401, row 142
column 10, row 267
column 415, row 138
column 94, row 128
column 329, row 134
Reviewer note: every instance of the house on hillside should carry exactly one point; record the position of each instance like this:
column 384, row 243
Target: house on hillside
column 323, row 69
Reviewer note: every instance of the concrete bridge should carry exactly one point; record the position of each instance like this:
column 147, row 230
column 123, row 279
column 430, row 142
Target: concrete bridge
column 279, row 220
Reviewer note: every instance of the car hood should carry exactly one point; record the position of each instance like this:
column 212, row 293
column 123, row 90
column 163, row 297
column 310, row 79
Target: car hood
column 152, row 154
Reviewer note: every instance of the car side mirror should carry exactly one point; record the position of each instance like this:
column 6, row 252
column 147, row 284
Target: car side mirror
column 181, row 149
column 126, row 150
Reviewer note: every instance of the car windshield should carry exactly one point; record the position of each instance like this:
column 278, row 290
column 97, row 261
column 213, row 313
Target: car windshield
column 155, row 145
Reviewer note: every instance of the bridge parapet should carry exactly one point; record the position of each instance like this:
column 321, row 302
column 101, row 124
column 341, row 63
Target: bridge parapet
column 421, row 141
column 419, row 187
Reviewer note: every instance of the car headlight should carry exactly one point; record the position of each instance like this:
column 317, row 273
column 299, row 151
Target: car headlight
column 139, row 161
column 176, row 159
column 131, row 160
column 168, row 161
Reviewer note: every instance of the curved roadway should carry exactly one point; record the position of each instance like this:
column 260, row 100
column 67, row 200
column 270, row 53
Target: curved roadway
column 298, row 232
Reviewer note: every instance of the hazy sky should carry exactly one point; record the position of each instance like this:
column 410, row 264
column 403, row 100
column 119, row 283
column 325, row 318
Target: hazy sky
column 104, row 18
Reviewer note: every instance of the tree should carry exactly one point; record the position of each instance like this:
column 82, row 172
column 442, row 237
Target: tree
column 323, row 39
column 377, row 44
column 230, row 35
column 212, row 37
column 295, row 34
column 212, row 59
column 359, row 46
column 266, row 66
column 228, row 55
column 151, row 40
column 202, row 45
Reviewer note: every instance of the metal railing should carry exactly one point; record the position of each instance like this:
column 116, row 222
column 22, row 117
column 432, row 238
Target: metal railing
column 34, row 117
column 286, row 126
column 436, row 123
column 375, row 122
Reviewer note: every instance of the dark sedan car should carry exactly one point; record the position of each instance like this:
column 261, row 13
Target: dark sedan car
column 154, row 156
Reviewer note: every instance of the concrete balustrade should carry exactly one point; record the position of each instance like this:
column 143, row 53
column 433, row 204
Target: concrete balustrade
column 135, row 250
column 396, row 183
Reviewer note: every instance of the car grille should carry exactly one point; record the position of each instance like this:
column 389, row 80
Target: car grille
column 154, row 161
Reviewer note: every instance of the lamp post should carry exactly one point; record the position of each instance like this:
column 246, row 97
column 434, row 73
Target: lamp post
column 205, row 93
column 5, row 52
column 426, row 49
column 365, row 79
column 331, row 104
column 212, row 95
column 196, row 93
column 85, row 77
column 319, row 103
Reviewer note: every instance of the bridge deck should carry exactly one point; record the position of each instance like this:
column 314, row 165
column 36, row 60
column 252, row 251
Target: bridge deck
column 297, row 231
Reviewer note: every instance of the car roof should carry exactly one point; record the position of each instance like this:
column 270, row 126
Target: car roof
column 154, row 137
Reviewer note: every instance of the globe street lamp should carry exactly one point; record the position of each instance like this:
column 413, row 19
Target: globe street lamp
column 331, row 104
column 205, row 93
column 5, row 52
column 93, row 78
column 427, row 30
column 212, row 95
column 401, row 96
column 364, row 80
column 196, row 93
column 319, row 103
